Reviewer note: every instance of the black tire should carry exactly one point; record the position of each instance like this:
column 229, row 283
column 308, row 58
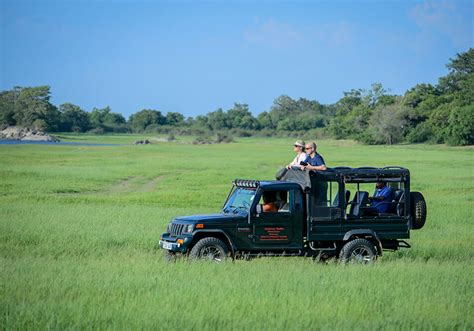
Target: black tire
column 358, row 251
column 169, row 256
column 418, row 210
column 211, row 249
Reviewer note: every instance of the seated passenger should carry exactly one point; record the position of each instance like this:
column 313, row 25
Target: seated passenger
column 301, row 156
column 382, row 198
column 269, row 202
column 314, row 160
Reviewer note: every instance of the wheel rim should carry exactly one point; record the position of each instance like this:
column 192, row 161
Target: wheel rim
column 211, row 253
column 361, row 255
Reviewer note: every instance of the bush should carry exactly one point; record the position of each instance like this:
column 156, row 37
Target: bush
column 241, row 133
column 96, row 131
column 421, row 133
column 202, row 140
column 439, row 120
column 461, row 126
column 40, row 125
column 120, row 128
column 266, row 133
column 224, row 138
column 314, row 134
column 171, row 137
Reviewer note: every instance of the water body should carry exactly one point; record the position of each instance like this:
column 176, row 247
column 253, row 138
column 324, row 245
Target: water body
column 19, row 142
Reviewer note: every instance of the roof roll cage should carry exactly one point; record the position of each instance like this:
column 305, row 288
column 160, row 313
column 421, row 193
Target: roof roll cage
column 344, row 168
column 350, row 179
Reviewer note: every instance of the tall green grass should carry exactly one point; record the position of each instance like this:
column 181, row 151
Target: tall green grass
column 79, row 228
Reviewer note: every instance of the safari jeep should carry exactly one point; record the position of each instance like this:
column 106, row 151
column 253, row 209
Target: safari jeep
column 318, row 214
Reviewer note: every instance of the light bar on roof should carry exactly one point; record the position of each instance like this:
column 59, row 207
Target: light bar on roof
column 247, row 183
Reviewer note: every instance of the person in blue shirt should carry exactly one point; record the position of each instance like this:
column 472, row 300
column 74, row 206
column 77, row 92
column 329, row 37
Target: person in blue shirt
column 314, row 161
column 382, row 198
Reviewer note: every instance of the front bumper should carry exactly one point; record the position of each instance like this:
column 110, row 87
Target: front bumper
column 170, row 243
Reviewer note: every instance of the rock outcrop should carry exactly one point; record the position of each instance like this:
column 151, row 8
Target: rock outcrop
column 142, row 142
column 26, row 134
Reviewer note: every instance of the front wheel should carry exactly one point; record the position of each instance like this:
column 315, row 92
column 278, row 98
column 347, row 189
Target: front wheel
column 358, row 251
column 211, row 249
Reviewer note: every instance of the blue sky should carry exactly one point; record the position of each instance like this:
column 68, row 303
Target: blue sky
column 194, row 57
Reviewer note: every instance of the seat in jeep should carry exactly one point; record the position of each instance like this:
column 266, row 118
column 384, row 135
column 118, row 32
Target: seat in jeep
column 335, row 202
column 360, row 200
column 396, row 201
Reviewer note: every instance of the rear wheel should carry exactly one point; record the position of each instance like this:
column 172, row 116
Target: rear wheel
column 358, row 251
column 418, row 210
column 211, row 249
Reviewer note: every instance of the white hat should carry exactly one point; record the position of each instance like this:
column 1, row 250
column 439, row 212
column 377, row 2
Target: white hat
column 299, row 143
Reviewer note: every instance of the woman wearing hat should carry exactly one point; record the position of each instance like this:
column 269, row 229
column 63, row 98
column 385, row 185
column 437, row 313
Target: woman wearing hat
column 300, row 154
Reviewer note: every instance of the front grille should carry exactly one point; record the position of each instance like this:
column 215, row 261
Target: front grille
column 176, row 229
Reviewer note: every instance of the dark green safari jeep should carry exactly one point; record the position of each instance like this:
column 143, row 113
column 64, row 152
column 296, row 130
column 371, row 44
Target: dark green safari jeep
column 319, row 214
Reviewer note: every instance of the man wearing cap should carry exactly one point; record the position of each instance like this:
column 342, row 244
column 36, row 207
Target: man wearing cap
column 314, row 160
column 301, row 156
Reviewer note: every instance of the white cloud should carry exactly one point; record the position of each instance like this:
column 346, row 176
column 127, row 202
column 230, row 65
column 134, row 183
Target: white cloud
column 436, row 19
column 336, row 34
column 273, row 33
column 282, row 35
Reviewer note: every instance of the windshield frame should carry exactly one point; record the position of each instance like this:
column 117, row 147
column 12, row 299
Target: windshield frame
column 227, row 208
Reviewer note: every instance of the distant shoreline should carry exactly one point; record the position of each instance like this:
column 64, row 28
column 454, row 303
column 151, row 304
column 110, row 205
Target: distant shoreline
column 31, row 142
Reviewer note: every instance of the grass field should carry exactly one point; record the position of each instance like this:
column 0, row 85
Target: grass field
column 79, row 228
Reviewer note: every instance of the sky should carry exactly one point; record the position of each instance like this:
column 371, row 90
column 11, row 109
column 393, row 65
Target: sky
column 195, row 57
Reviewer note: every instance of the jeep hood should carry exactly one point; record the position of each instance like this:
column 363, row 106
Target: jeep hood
column 209, row 218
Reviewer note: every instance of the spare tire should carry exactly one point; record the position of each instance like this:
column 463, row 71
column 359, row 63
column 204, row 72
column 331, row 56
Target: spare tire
column 418, row 210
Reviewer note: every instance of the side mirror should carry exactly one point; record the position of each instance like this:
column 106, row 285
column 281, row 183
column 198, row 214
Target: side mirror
column 259, row 209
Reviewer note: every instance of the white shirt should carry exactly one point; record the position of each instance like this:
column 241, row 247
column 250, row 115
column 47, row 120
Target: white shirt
column 299, row 158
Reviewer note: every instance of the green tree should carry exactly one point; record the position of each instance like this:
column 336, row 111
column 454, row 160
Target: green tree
column 240, row 117
column 386, row 124
column 33, row 105
column 202, row 122
column 174, row 119
column 144, row 118
column 461, row 71
column 283, row 107
column 217, row 120
column 456, row 101
column 264, row 121
column 73, row 118
column 7, row 106
column 461, row 126
column 106, row 120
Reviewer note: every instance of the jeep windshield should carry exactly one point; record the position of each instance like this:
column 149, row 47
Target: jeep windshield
column 239, row 200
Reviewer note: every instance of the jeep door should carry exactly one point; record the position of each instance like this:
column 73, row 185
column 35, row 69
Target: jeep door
column 281, row 227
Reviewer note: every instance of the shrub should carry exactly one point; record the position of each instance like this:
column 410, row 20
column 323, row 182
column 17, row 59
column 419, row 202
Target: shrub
column 97, row 131
column 241, row 133
column 421, row 133
column 224, row 138
column 461, row 126
column 202, row 140
column 40, row 125
column 171, row 137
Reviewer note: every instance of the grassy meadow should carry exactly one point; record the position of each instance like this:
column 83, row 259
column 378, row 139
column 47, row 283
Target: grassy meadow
column 79, row 227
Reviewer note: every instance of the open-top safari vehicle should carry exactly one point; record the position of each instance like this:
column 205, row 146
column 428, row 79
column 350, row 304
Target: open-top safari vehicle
column 317, row 213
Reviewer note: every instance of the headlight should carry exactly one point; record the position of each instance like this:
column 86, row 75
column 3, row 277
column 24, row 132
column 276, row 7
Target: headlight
column 188, row 228
column 168, row 228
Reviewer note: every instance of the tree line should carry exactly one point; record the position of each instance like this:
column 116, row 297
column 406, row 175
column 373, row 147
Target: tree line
column 441, row 113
